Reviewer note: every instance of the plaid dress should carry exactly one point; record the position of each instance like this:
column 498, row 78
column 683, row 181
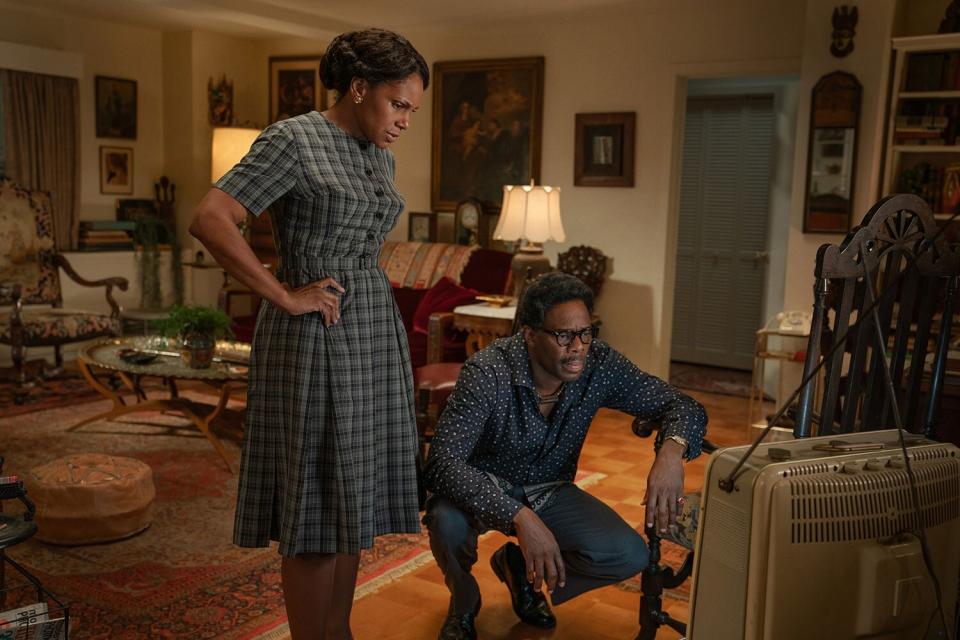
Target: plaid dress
column 329, row 451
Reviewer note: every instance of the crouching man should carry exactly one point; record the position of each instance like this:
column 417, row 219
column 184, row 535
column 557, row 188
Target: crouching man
column 505, row 455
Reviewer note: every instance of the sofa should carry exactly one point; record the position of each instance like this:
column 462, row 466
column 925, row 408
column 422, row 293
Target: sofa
column 429, row 279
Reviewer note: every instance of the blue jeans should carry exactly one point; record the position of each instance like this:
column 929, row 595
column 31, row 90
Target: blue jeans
column 597, row 546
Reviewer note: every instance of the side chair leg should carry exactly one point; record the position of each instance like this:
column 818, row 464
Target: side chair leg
column 22, row 385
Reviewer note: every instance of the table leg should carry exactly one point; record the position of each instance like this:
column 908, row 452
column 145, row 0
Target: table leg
column 186, row 407
column 118, row 402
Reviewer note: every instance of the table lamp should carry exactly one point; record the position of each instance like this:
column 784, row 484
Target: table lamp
column 531, row 215
column 229, row 146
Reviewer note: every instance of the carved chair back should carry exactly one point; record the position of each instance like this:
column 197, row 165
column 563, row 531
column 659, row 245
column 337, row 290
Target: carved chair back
column 27, row 249
column 897, row 257
column 587, row 263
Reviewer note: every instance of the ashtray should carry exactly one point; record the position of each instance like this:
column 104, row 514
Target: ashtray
column 495, row 301
column 135, row 356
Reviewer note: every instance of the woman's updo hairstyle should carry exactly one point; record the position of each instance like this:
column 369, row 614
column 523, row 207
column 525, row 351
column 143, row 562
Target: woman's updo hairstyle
column 374, row 55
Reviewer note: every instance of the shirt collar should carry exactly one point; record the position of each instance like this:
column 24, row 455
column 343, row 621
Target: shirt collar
column 518, row 359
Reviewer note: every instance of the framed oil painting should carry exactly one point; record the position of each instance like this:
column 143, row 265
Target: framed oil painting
column 487, row 129
column 116, row 107
column 423, row 227
column 603, row 155
column 116, row 170
column 295, row 86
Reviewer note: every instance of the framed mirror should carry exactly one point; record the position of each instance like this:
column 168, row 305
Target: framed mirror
column 832, row 153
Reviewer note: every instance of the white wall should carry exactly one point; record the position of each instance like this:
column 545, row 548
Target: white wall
column 632, row 57
column 870, row 63
column 109, row 49
column 619, row 59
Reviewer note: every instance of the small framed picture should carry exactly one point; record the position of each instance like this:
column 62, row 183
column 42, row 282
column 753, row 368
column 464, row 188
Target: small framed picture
column 423, row 227
column 295, row 86
column 116, row 107
column 603, row 155
column 116, row 170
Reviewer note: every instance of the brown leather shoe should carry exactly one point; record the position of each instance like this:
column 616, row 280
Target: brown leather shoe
column 529, row 605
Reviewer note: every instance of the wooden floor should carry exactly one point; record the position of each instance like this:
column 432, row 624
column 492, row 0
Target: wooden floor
column 414, row 607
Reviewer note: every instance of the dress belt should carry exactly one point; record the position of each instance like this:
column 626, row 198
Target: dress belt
column 293, row 266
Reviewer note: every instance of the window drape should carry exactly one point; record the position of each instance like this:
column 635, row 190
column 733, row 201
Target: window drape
column 42, row 143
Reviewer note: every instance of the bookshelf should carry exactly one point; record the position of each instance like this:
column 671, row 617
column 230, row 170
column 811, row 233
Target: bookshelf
column 923, row 124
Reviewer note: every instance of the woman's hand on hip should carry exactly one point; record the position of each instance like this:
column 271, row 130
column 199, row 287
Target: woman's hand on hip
column 322, row 296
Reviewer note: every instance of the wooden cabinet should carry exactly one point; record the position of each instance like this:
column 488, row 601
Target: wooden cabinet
column 923, row 125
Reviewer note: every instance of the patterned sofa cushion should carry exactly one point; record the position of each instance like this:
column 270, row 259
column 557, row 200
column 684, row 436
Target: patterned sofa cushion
column 59, row 325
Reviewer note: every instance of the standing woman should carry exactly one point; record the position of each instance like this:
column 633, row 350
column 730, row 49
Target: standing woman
column 329, row 451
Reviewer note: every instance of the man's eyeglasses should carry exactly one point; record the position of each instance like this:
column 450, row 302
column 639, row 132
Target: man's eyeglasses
column 565, row 338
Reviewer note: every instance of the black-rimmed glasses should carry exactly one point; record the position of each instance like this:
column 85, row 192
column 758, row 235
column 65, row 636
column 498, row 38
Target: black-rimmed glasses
column 565, row 338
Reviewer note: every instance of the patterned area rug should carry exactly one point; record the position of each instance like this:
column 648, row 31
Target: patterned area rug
column 67, row 388
column 182, row 577
column 728, row 382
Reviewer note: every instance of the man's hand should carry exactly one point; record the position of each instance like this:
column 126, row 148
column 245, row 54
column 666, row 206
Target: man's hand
column 664, row 495
column 540, row 551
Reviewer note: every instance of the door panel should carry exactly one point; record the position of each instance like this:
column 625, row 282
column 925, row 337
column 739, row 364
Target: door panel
column 722, row 235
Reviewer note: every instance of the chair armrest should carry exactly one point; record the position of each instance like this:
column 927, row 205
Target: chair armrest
column 438, row 325
column 14, row 292
column 109, row 283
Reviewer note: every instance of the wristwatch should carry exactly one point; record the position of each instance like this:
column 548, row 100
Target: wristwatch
column 679, row 440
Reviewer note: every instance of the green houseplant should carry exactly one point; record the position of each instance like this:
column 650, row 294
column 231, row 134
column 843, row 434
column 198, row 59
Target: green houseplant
column 198, row 329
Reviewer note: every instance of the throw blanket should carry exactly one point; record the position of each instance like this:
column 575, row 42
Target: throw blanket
column 418, row 265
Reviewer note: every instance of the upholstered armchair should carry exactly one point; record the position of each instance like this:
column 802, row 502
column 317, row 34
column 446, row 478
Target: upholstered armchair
column 31, row 303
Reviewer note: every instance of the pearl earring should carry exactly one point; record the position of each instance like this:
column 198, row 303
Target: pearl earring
column 358, row 99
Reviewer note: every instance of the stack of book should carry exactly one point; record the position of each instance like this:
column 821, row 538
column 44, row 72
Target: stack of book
column 106, row 235
column 924, row 130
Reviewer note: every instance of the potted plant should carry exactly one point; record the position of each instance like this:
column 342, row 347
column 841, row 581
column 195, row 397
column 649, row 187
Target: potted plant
column 198, row 329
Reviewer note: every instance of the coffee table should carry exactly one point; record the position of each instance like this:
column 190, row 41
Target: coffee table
column 226, row 375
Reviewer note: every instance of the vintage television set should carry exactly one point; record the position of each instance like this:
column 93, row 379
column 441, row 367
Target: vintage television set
column 814, row 541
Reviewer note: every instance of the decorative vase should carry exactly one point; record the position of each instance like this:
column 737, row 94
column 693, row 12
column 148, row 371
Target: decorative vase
column 197, row 350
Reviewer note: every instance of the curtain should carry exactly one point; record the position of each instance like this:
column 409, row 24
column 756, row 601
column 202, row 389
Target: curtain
column 42, row 131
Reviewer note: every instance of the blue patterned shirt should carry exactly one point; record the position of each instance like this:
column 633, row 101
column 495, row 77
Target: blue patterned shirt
column 492, row 425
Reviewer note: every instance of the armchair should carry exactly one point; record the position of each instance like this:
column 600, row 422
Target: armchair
column 30, row 275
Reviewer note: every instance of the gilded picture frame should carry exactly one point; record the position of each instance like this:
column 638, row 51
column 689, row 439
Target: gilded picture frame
column 295, row 86
column 487, row 129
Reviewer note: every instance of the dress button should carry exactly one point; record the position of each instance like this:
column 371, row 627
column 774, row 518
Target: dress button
column 369, row 172
column 379, row 192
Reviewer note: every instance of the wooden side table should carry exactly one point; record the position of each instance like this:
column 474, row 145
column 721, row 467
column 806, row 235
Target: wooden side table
column 483, row 323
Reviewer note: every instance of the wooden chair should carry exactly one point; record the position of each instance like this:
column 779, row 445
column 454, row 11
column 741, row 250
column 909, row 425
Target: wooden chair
column 587, row 263
column 895, row 255
column 29, row 275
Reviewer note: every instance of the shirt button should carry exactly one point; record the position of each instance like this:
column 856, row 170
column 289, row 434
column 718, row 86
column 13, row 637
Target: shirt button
column 380, row 215
column 363, row 145
column 379, row 191
column 369, row 172
column 370, row 236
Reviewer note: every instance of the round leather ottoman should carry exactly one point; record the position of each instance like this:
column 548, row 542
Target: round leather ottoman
column 91, row 497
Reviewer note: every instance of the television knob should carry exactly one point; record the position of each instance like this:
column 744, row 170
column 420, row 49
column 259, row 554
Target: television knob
column 875, row 465
column 896, row 462
column 852, row 467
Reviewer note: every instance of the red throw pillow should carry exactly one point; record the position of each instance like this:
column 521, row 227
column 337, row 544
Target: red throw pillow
column 444, row 296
